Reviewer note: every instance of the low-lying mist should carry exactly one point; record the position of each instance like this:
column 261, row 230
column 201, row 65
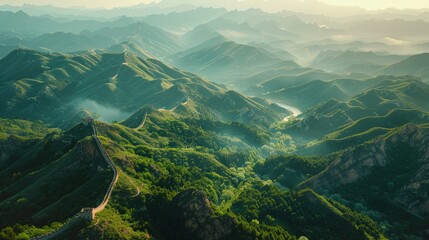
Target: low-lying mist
column 103, row 112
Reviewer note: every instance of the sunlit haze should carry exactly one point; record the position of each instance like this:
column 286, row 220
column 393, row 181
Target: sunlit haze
column 367, row 4
column 214, row 119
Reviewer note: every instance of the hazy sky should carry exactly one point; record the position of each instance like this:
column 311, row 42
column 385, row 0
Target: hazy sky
column 368, row 4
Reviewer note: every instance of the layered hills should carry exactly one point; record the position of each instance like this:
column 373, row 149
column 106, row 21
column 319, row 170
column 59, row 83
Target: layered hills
column 44, row 179
column 387, row 174
column 225, row 59
column 164, row 167
column 348, row 61
column 59, row 87
column 416, row 65
column 331, row 141
column 384, row 97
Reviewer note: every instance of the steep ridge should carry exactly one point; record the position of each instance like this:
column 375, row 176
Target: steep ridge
column 399, row 158
column 341, row 60
column 64, row 166
column 67, row 42
column 87, row 213
column 310, row 94
column 154, row 39
column 106, row 199
column 56, row 88
column 129, row 46
column 417, row 65
column 393, row 100
column 166, row 155
column 225, row 58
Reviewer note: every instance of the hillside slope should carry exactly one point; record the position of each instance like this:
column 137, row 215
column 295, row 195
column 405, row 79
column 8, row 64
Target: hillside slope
column 378, row 101
column 154, row 39
column 226, row 58
column 57, row 88
column 388, row 174
column 417, row 65
column 43, row 180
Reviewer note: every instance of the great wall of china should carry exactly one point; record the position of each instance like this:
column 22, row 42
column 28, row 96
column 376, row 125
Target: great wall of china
column 87, row 214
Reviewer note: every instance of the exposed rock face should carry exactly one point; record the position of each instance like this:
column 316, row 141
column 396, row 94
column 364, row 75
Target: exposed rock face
column 361, row 161
column 199, row 219
column 415, row 195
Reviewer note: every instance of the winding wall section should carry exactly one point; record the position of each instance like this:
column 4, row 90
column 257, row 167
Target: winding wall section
column 88, row 214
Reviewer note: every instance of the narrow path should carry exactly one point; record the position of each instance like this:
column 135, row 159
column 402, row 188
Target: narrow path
column 143, row 122
column 174, row 109
column 119, row 70
column 134, row 184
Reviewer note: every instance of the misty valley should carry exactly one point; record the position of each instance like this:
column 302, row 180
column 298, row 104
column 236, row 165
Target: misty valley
column 185, row 120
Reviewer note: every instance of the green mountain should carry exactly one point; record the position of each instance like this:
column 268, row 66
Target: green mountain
column 165, row 168
column 236, row 30
column 199, row 35
column 186, row 20
column 389, row 103
column 46, row 180
column 283, row 78
column 287, row 68
column 68, row 42
column 21, row 22
column 309, row 94
column 286, row 55
column 387, row 175
column 339, row 61
column 25, row 23
column 154, row 39
column 365, row 129
column 23, row 129
column 226, row 58
column 281, row 25
column 211, row 42
column 56, row 42
column 168, row 120
column 129, row 46
column 5, row 50
column 415, row 65
column 58, row 87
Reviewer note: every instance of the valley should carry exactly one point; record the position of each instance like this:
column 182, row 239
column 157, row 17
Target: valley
column 188, row 121
column 295, row 111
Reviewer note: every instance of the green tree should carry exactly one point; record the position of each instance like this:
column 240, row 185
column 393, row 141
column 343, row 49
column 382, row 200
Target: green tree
column 7, row 234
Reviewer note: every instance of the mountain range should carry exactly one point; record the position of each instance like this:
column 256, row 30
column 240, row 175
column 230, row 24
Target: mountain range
column 57, row 87
column 173, row 121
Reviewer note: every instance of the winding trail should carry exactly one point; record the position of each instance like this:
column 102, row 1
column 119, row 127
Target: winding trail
column 119, row 70
column 112, row 183
column 134, row 184
column 143, row 122
column 88, row 213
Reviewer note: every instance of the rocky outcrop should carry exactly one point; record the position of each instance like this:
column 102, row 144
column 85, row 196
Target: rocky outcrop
column 359, row 162
column 350, row 166
column 198, row 218
column 415, row 194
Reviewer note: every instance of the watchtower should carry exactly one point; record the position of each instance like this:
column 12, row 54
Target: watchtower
column 88, row 214
column 87, row 120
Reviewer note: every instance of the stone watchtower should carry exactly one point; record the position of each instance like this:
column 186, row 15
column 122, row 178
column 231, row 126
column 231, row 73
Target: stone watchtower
column 87, row 214
column 87, row 120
